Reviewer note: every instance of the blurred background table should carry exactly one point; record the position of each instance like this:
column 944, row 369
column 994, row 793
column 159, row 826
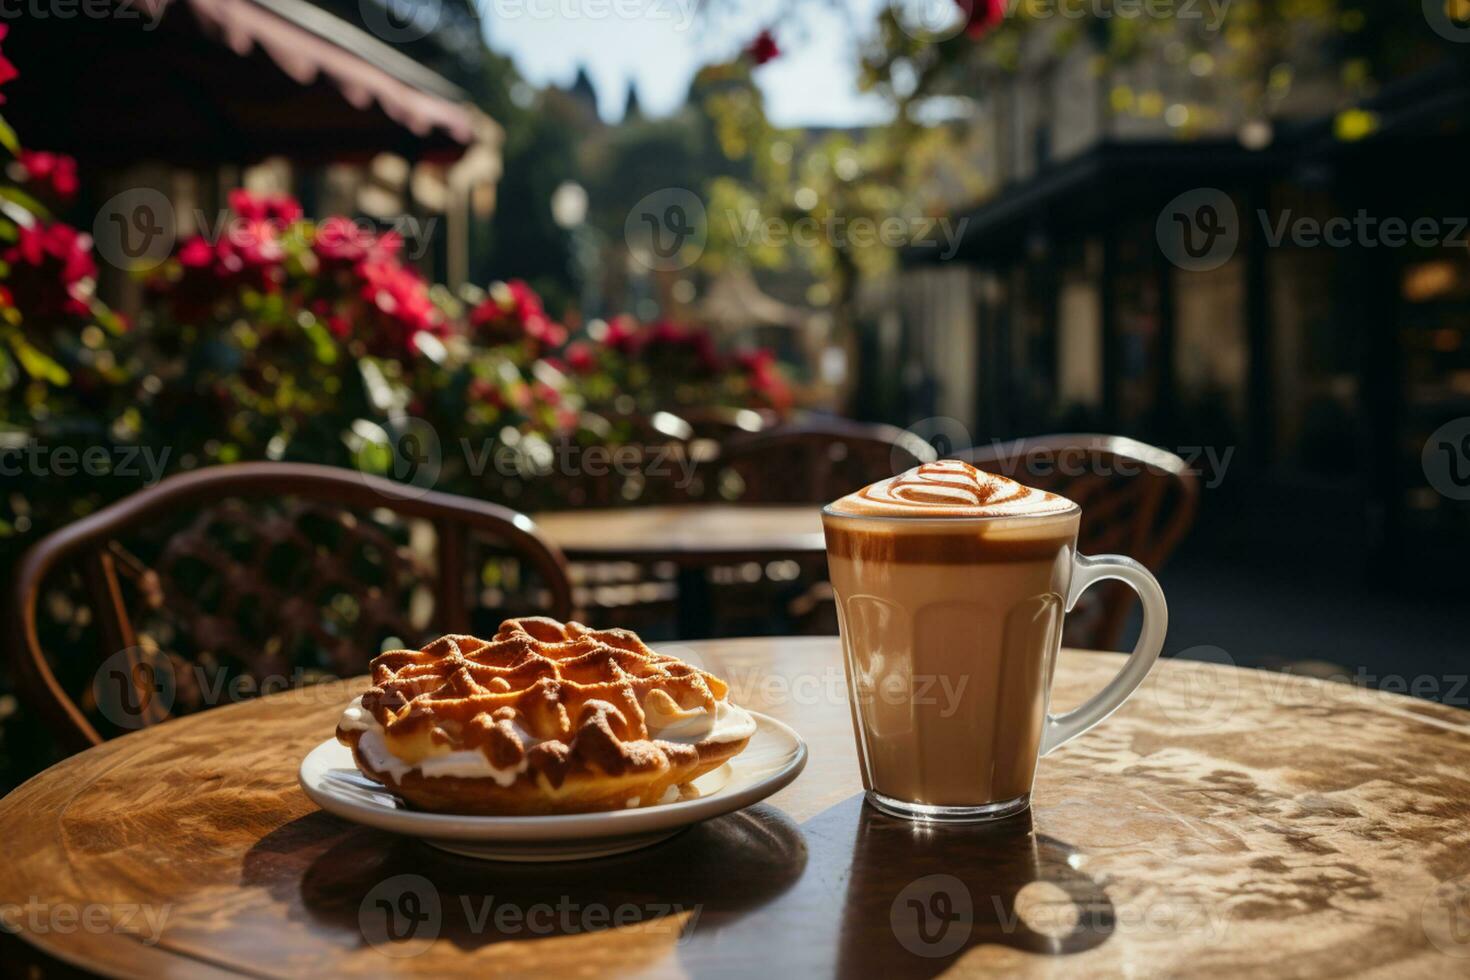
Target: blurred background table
column 693, row 537
column 1224, row 822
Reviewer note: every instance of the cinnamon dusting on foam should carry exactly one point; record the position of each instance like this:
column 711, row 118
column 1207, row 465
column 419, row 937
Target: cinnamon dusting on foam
column 951, row 488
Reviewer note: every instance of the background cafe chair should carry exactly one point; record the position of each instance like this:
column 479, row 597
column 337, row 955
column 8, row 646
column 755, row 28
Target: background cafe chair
column 814, row 462
column 239, row 576
column 658, row 460
column 1137, row 500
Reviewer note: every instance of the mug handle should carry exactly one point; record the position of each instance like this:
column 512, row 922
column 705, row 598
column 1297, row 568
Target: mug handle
column 1087, row 572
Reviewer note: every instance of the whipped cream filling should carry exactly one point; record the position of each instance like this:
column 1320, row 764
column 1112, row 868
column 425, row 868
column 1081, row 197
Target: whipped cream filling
column 726, row 723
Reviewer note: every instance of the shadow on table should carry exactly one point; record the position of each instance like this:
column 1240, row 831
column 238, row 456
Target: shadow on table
column 885, row 897
column 850, row 892
column 368, row 886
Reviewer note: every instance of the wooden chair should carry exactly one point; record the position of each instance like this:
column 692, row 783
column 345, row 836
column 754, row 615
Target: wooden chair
column 1137, row 500
column 258, row 571
column 814, row 461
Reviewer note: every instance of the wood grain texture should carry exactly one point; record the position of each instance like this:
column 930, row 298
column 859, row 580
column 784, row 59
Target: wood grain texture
column 1223, row 823
column 694, row 533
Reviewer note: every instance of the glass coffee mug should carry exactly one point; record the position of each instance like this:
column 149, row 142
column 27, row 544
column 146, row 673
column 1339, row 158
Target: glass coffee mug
column 950, row 631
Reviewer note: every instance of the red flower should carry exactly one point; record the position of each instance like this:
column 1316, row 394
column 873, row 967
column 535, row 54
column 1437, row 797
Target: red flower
column 672, row 340
column 763, row 48
column 513, row 313
column 7, row 70
column 764, row 380
column 252, row 243
column 343, row 240
column 51, row 271
column 196, row 253
column 282, row 209
column 981, row 16
column 57, row 169
column 623, row 335
column 580, row 358
column 402, row 299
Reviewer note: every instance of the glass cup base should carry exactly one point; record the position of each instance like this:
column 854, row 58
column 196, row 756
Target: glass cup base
column 929, row 813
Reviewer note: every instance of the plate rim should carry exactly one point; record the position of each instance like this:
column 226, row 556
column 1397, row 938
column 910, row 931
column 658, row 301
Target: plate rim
column 600, row 823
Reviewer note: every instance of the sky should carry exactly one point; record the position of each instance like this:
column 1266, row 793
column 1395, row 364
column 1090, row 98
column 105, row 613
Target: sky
column 660, row 44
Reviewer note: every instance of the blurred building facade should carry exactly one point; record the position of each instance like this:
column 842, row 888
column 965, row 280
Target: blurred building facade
column 1321, row 366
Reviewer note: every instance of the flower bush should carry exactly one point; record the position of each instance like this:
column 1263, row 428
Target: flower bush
column 626, row 367
column 280, row 337
column 291, row 339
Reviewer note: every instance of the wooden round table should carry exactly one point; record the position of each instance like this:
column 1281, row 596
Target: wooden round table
column 694, row 537
column 1224, row 822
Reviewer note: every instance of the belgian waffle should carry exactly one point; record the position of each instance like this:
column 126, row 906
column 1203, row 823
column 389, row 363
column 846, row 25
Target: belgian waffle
column 545, row 717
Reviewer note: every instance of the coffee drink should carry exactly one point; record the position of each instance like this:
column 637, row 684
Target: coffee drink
column 951, row 587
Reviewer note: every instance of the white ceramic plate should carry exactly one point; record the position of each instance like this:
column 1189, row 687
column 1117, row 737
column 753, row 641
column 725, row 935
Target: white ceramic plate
column 773, row 758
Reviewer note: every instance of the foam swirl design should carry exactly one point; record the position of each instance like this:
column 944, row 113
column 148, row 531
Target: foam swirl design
column 951, row 488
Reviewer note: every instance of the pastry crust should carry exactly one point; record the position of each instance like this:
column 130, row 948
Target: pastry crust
column 544, row 718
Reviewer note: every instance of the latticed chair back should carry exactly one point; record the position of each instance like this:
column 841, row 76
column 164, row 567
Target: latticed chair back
column 643, row 460
column 235, row 580
column 722, row 423
column 813, row 462
column 1136, row 499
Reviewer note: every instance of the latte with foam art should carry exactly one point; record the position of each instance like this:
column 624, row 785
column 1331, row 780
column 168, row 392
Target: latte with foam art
column 950, row 488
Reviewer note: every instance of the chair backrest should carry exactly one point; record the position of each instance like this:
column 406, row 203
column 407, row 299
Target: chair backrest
column 1137, row 500
column 644, row 460
column 722, row 423
column 262, row 572
column 812, row 462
